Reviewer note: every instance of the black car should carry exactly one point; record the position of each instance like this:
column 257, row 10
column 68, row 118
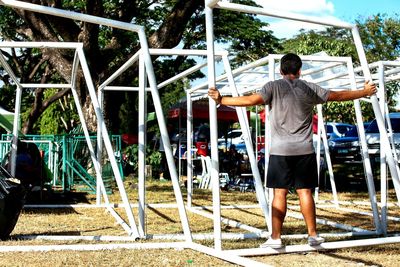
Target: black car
column 346, row 148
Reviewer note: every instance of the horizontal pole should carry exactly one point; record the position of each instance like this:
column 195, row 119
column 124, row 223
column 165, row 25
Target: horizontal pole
column 45, row 85
column 124, row 88
column 72, row 15
column 184, row 52
column 323, row 246
column 223, row 255
column 93, row 247
column 65, row 45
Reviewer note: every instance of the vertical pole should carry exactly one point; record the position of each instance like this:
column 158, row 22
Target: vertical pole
column 189, row 143
column 17, row 112
column 382, row 156
column 107, row 145
column 164, row 135
column 328, row 158
column 213, row 130
column 179, row 143
column 142, row 146
column 100, row 95
column 318, row 150
column 268, row 191
column 364, row 152
column 384, row 140
column 64, row 161
column 16, row 126
column 241, row 112
column 258, row 132
column 382, row 102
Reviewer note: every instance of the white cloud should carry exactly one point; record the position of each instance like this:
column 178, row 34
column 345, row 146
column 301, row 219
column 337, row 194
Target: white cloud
column 284, row 28
column 305, row 6
column 289, row 28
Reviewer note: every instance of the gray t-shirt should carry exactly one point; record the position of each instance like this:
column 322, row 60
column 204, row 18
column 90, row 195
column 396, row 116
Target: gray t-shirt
column 291, row 104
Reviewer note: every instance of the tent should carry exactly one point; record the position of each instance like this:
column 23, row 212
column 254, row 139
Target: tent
column 200, row 111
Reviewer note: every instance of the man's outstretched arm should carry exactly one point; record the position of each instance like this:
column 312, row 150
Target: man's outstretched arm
column 369, row 89
column 239, row 101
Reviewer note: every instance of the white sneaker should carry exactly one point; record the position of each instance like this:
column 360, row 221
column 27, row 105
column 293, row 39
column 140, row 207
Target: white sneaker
column 315, row 240
column 272, row 243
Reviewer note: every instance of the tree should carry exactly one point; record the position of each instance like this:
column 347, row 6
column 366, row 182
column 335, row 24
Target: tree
column 380, row 36
column 168, row 23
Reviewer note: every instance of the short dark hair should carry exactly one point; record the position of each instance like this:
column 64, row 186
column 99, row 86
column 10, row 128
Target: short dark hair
column 290, row 64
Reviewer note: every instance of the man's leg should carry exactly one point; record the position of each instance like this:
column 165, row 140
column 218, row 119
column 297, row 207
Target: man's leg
column 307, row 207
column 278, row 211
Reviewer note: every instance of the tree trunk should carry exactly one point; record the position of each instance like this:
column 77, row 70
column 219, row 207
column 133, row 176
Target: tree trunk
column 49, row 28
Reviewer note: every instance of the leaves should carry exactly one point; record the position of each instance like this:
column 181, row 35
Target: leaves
column 167, row 23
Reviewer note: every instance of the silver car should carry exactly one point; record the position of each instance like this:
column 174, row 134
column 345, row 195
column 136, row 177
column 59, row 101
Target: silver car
column 373, row 137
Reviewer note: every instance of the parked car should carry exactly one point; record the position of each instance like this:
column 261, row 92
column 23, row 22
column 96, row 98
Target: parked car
column 334, row 130
column 337, row 129
column 373, row 136
column 346, row 148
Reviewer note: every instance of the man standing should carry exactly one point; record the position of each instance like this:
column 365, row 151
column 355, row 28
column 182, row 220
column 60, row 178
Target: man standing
column 292, row 162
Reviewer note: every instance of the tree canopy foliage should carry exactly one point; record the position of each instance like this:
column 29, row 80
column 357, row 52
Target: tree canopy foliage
column 168, row 24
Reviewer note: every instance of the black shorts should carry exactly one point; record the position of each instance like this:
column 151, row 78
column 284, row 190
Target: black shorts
column 292, row 171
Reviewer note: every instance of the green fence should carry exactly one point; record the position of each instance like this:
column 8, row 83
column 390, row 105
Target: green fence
column 68, row 161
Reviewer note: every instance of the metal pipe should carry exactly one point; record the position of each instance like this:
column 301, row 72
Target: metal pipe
column 384, row 140
column 106, row 140
column 189, row 144
column 323, row 246
column 164, row 134
column 383, row 172
column 328, row 157
column 93, row 247
column 142, row 147
column 364, row 152
column 213, row 129
column 72, row 15
column 120, row 70
column 230, row 257
column 241, row 112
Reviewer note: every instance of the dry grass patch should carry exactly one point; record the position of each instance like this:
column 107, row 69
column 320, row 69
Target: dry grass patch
column 97, row 222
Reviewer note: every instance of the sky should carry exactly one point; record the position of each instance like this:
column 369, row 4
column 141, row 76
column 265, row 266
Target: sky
column 344, row 10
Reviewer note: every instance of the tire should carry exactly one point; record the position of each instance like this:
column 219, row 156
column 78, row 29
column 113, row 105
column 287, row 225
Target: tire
column 12, row 199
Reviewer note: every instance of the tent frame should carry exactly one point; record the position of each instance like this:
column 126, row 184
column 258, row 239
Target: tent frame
column 210, row 5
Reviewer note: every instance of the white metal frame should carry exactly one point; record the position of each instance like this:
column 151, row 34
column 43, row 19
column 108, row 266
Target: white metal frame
column 210, row 5
column 240, row 111
column 78, row 60
column 330, row 62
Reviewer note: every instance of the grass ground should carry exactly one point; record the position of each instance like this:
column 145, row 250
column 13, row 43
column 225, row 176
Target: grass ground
column 97, row 222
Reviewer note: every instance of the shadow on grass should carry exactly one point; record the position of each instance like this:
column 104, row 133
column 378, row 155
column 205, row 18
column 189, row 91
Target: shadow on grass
column 350, row 177
column 54, row 198
column 162, row 215
column 359, row 262
column 57, row 211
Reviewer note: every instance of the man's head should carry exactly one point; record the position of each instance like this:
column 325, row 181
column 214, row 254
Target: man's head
column 291, row 64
